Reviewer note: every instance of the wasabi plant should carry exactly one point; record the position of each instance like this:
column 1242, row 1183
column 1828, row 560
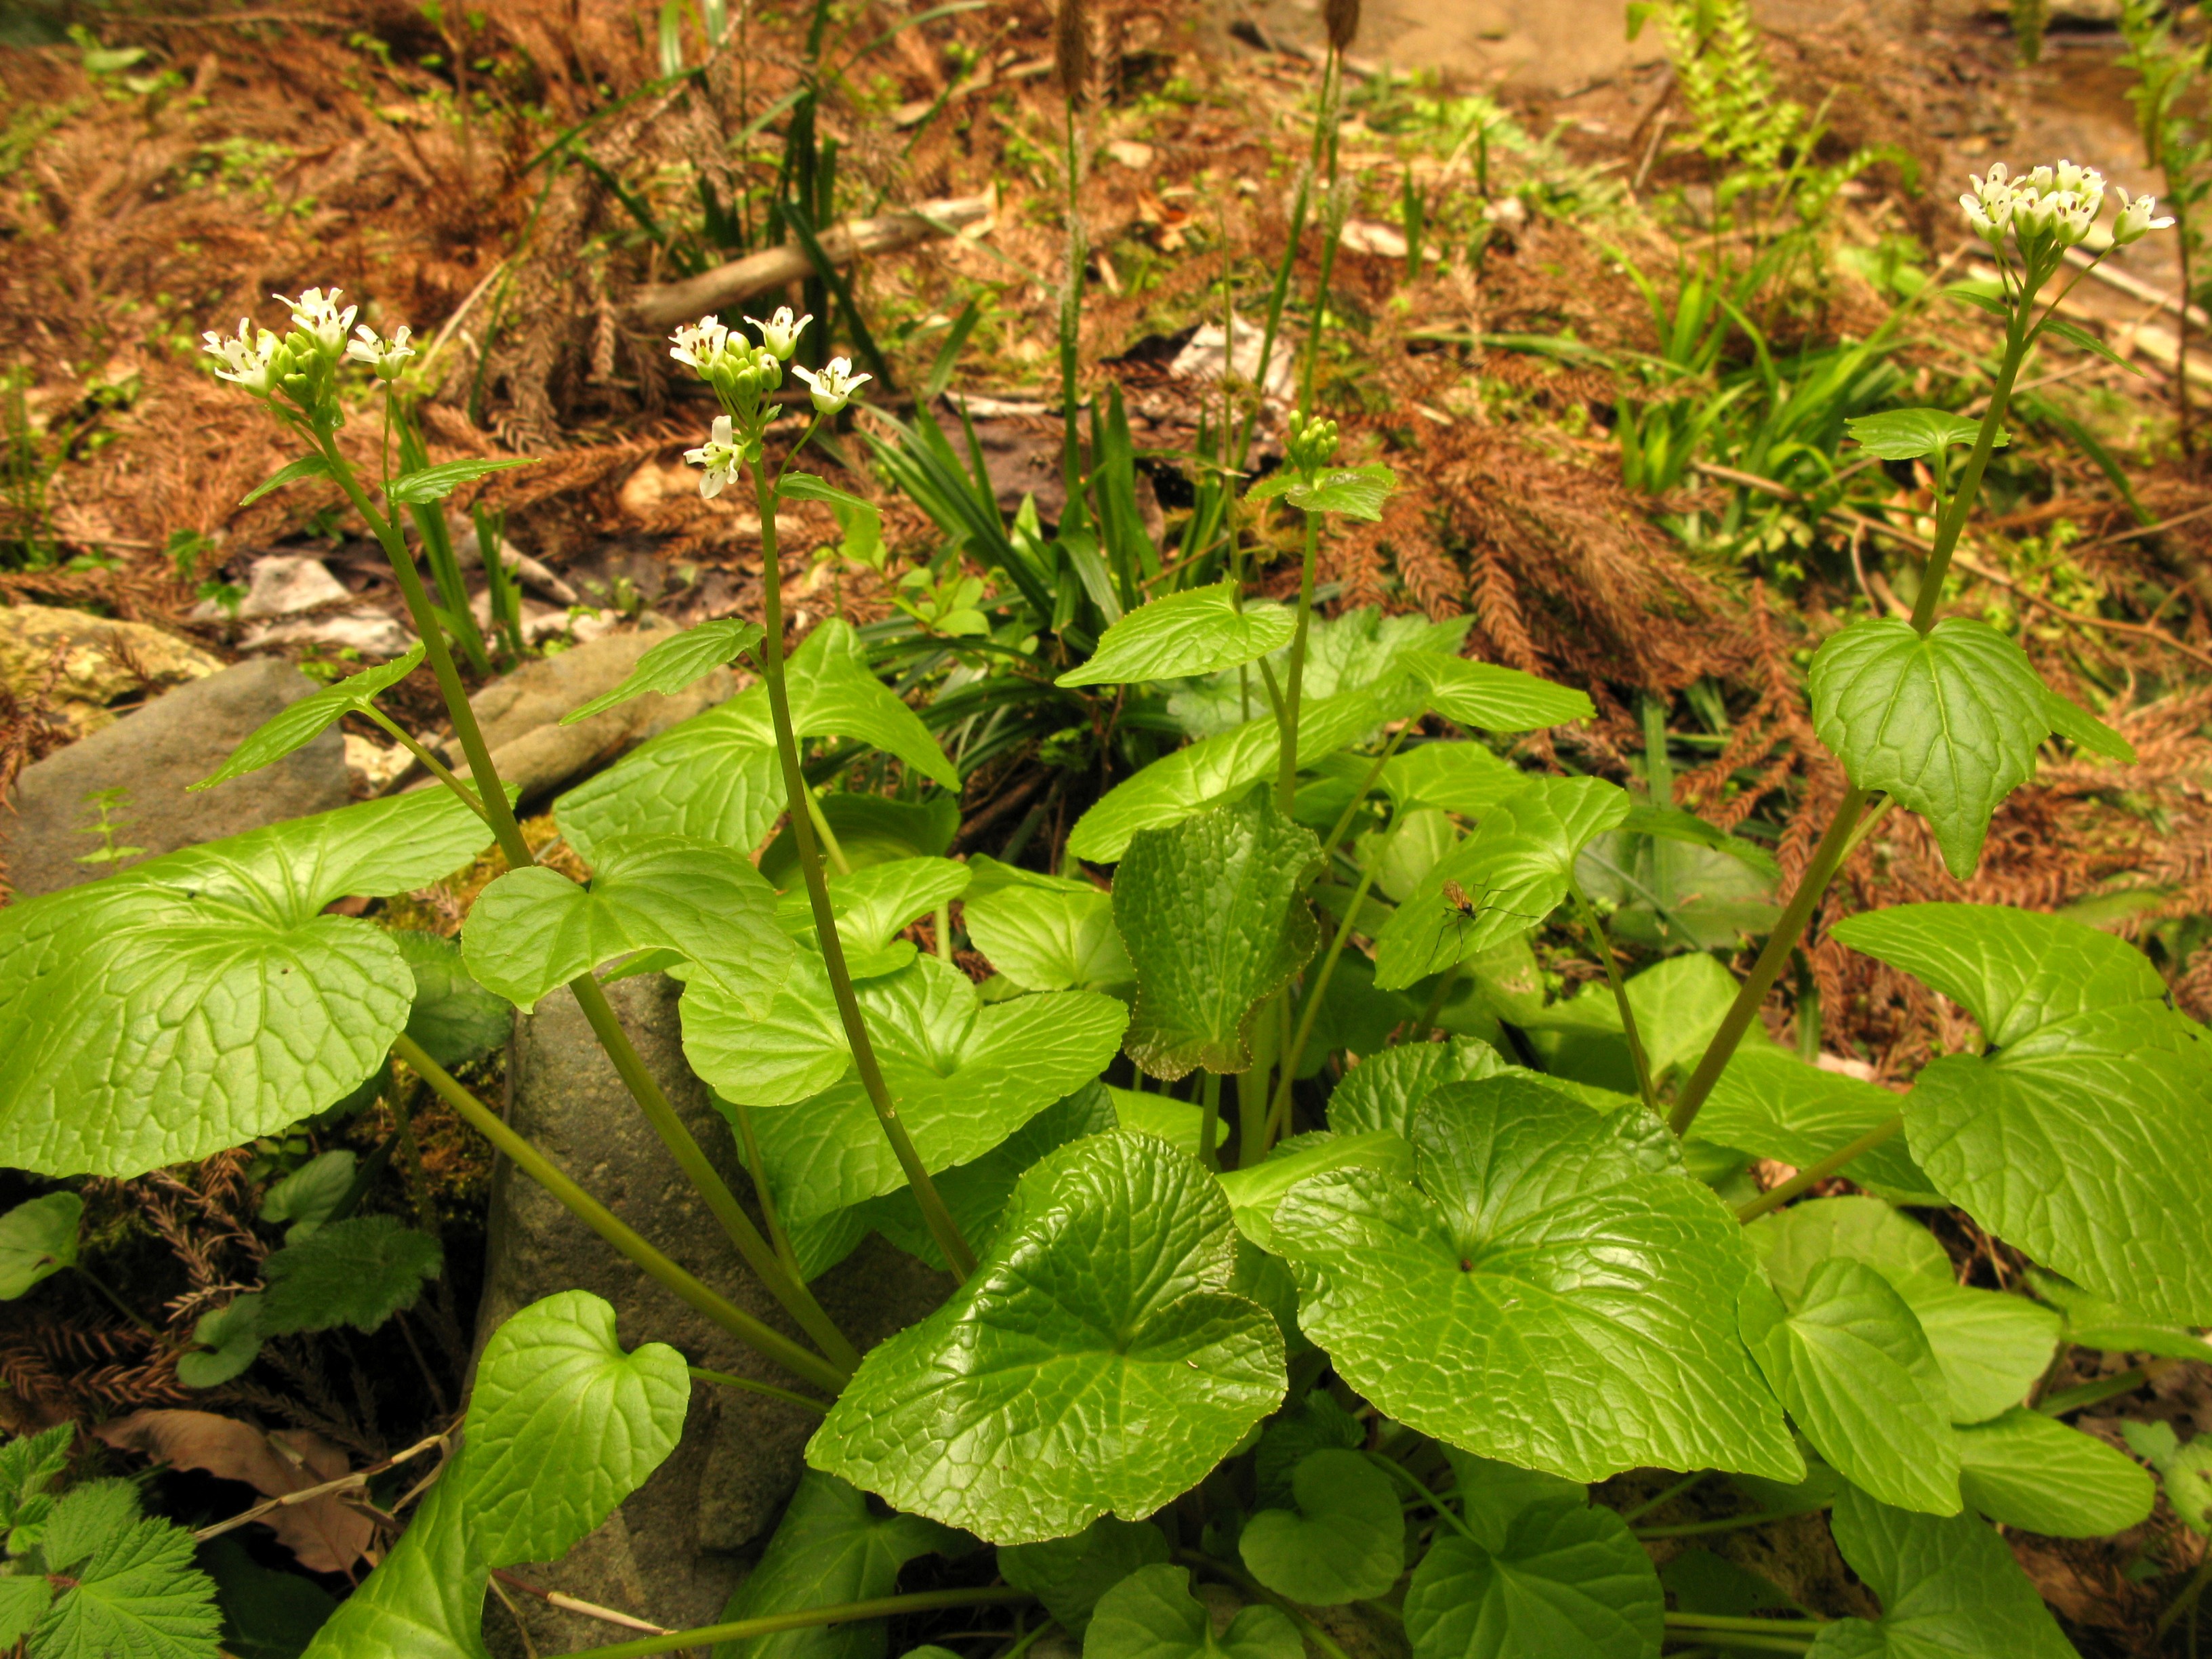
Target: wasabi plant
column 1379, row 1352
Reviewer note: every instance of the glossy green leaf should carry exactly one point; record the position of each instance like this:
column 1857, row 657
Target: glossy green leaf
column 1069, row 1575
column 1770, row 1104
column 1912, row 434
column 1848, row 1361
column 1151, row 1615
column 1056, row 937
column 454, row 1019
column 677, row 663
column 1359, row 651
column 1355, row 492
column 1949, row 1589
column 1382, row 1091
column 1254, row 1193
column 1346, row 1540
column 716, row 777
column 830, row 1548
column 1178, row 1122
column 201, row 999
column 2030, row 1471
column 38, row 1239
column 2082, row 729
column 964, row 1074
column 790, row 1050
column 1211, row 914
column 2083, row 1134
column 1492, row 1495
column 862, row 521
column 1200, row 630
column 1538, row 1295
column 358, row 1271
column 2095, row 1323
column 1486, row 697
column 533, row 929
column 1096, row 1361
column 1948, row 723
column 292, row 472
column 1568, row 1579
column 1512, row 874
column 873, row 904
column 311, row 1194
column 1464, row 778
column 434, row 483
column 300, row 723
column 1202, row 774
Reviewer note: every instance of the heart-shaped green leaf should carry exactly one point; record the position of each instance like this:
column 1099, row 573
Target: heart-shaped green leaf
column 1315, row 1424
column 202, row 998
column 873, row 904
column 1151, row 1615
column 2083, row 1133
column 302, row 722
column 716, row 777
column 2030, row 1471
column 1464, row 778
column 1096, row 1361
column 1772, row 1104
column 1948, row 723
column 1345, row 1541
column 1949, row 1588
column 1070, row 1575
column 1486, row 697
column 1043, row 934
column 1491, row 1495
column 225, row 1342
column 676, row 662
column 1384, row 1091
column 533, row 929
column 1361, row 650
column 1357, row 492
column 454, row 1019
column 1254, row 1193
column 1504, row 878
column 1540, row 1295
column 1567, row 1579
column 37, row 1241
column 1912, row 434
column 1200, row 630
column 963, row 1074
column 1851, row 1363
column 1211, row 914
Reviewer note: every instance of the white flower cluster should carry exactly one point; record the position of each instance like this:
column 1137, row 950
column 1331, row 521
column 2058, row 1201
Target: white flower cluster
column 2052, row 207
column 317, row 314
column 301, row 364
column 250, row 358
column 744, row 375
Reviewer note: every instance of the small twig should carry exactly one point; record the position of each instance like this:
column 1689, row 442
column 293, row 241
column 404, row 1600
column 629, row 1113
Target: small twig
column 572, row 1604
column 344, row 1483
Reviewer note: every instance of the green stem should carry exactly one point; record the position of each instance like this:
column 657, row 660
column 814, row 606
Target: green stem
column 1636, row 1054
column 1811, row 1176
column 758, row 1168
column 2104, row 1388
column 1745, row 1642
column 1953, row 522
column 1209, row 1127
column 1750, row 1626
column 941, row 927
column 436, row 767
column 1430, row 1014
column 1259, row 1592
column 2188, row 1598
column 1704, row 1529
column 1252, row 1113
column 769, row 1342
column 744, row 1630
column 1421, row 1491
column 1311, row 1009
column 1287, row 782
column 829, row 843
column 1688, row 1481
column 942, row 1227
column 1827, row 857
column 1358, row 797
column 753, row 1385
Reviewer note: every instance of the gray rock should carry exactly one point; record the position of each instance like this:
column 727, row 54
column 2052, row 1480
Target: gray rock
column 520, row 713
column 672, row 1553
column 151, row 755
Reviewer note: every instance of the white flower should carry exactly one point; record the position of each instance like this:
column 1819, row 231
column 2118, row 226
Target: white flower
column 318, row 313
column 702, row 345
column 834, row 385
column 2074, row 213
column 381, row 354
column 719, row 455
column 781, row 332
column 249, row 358
column 2135, row 220
column 2086, row 183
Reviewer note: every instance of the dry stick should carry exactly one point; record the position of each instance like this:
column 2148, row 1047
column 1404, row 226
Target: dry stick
column 572, row 1604
column 617, row 1232
column 942, row 1227
column 489, row 797
column 1811, row 1176
column 344, row 1483
column 742, row 1630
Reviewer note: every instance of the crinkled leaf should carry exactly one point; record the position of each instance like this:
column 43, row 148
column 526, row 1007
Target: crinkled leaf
column 311, row 1194
column 38, row 1239
column 676, row 663
column 1211, row 914
column 1949, row 1589
column 1948, row 723
column 1346, row 1540
column 1096, row 1361
column 28, row 1465
column 2083, row 1134
column 1486, row 697
column 1382, row 1091
column 1850, row 1362
column 872, row 903
column 201, row 999
column 1538, row 1295
column 1912, row 434
column 1151, row 1615
column 434, row 483
column 1060, row 937
column 1254, row 1193
column 1200, row 630
column 139, row 1594
column 964, row 1074
column 2096, row 1322
column 716, row 777
column 1357, row 651
column 302, row 722
column 358, row 1271
column 2031, row 1471
column 454, row 1019
column 793, row 1048
column 533, row 929
column 2069, row 720
column 1568, row 1579
column 1772, row 1104
column 1507, row 876
column 1464, row 778
column 1069, row 1575
column 24, row 1599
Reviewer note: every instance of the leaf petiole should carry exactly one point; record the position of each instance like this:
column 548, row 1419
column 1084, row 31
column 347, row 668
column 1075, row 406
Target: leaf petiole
column 743, row 1630
column 1806, row 1179
column 1604, row 945
column 753, row 1385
